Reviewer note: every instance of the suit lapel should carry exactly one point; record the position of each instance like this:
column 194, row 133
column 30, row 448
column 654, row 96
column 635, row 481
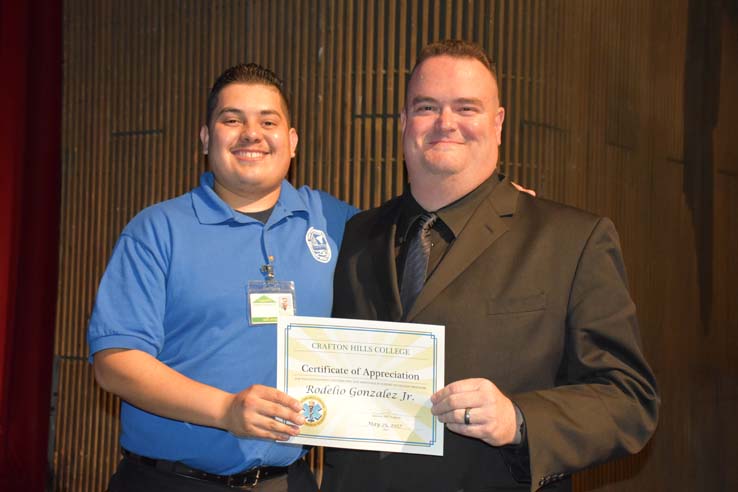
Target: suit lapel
column 381, row 249
column 485, row 226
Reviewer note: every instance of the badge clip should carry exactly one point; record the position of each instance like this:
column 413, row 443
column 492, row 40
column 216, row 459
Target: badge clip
column 268, row 269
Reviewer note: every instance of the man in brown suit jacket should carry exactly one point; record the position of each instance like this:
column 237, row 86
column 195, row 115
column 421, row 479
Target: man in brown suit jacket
column 543, row 349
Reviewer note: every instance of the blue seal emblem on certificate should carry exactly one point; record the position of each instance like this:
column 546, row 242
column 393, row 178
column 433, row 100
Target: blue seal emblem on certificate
column 313, row 409
column 376, row 377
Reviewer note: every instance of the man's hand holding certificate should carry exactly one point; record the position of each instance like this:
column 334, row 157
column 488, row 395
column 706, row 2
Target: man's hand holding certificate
column 363, row 385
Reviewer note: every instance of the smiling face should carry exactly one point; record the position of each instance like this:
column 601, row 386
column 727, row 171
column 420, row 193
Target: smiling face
column 249, row 144
column 452, row 124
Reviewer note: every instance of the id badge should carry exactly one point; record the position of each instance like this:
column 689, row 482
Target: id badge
column 270, row 299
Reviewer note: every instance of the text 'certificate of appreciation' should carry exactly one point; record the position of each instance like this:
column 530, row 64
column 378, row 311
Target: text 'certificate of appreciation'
column 363, row 384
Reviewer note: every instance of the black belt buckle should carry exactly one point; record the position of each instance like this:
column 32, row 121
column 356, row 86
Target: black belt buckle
column 244, row 481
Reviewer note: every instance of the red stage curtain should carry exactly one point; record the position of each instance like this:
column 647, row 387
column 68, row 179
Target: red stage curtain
column 30, row 158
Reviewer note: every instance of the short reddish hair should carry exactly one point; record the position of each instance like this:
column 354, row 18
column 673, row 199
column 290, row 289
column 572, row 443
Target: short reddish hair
column 456, row 48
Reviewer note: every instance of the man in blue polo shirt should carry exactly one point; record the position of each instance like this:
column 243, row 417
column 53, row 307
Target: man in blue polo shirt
column 183, row 325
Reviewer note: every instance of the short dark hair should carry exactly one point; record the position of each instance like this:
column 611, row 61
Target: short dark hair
column 455, row 48
column 246, row 73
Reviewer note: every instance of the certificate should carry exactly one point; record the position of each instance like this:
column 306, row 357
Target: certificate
column 363, row 384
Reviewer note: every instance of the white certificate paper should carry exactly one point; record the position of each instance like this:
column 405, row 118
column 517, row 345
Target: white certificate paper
column 363, row 384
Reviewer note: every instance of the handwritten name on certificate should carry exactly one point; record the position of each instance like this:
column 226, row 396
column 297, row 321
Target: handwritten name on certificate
column 363, row 384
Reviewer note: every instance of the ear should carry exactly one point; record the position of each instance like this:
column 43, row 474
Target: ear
column 293, row 141
column 403, row 119
column 499, row 119
column 204, row 138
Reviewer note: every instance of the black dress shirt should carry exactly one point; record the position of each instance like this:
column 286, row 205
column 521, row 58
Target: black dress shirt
column 451, row 221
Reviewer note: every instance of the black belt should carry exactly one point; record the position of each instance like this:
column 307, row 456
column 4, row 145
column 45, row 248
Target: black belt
column 245, row 479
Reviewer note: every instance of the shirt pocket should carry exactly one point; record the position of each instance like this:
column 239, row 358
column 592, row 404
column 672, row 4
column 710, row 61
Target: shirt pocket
column 517, row 304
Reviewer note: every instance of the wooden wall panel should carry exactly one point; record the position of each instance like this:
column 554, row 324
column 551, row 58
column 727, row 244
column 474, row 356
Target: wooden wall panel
column 721, row 370
column 723, row 343
column 594, row 93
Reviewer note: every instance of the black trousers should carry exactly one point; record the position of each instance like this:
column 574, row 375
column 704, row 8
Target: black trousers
column 137, row 477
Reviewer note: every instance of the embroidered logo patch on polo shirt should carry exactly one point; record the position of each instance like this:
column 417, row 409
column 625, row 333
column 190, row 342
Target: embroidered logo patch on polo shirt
column 318, row 245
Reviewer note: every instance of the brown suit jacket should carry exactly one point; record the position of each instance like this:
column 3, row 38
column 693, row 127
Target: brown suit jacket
column 534, row 297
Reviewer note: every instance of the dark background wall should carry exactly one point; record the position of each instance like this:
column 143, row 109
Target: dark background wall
column 627, row 108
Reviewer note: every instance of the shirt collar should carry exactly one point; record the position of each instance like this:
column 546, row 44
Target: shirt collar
column 454, row 215
column 211, row 209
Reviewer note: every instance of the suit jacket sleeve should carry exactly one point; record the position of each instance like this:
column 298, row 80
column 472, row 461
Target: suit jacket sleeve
column 605, row 402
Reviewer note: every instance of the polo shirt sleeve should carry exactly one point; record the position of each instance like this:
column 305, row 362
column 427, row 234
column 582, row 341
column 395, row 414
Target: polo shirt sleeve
column 131, row 299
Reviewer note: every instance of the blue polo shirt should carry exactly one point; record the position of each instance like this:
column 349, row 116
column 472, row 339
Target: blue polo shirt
column 176, row 288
